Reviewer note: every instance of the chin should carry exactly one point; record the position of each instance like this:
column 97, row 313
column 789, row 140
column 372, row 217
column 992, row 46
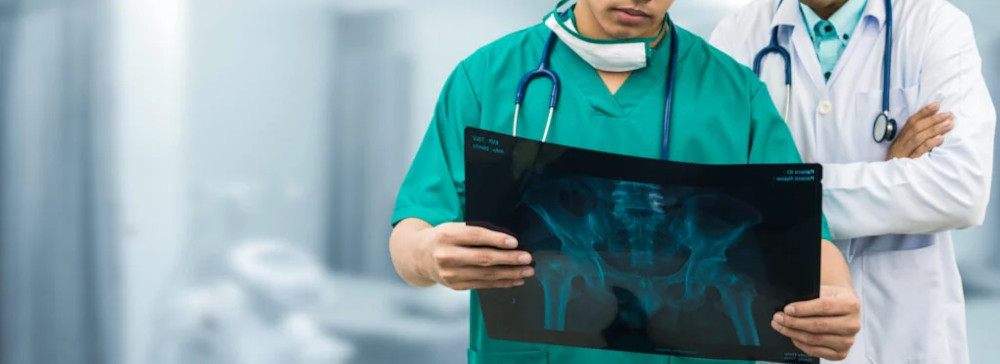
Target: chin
column 622, row 32
column 626, row 31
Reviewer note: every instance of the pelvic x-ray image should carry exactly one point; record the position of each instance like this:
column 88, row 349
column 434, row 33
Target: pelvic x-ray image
column 644, row 255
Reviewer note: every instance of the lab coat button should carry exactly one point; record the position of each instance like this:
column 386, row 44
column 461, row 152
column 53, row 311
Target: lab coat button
column 825, row 107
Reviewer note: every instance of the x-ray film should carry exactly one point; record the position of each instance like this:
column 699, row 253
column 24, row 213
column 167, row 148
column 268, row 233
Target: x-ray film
column 644, row 255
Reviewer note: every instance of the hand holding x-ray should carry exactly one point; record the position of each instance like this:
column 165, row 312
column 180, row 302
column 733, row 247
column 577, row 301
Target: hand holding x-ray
column 462, row 257
column 824, row 327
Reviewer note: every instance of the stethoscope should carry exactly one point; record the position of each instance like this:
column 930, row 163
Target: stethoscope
column 545, row 71
column 884, row 128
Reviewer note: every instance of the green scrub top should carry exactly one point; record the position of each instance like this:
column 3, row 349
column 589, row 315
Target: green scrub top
column 722, row 115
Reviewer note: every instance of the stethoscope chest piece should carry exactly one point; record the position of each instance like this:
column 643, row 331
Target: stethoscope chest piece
column 884, row 128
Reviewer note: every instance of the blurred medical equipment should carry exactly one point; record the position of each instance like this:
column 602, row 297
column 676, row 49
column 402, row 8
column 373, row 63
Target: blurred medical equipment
column 259, row 312
column 884, row 128
column 274, row 303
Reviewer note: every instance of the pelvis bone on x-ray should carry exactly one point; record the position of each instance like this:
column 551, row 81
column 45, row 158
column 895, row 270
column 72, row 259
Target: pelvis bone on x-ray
column 667, row 247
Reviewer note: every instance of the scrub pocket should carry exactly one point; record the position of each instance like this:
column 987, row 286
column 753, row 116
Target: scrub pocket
column 517, row 357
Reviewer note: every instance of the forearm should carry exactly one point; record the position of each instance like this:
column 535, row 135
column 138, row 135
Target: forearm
column 833, row 267
column 945, row 190
column 406, row 249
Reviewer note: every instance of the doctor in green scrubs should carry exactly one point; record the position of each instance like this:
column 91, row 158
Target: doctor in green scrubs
column 612, row 58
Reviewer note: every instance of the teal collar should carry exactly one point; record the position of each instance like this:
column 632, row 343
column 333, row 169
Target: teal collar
column 843, row 22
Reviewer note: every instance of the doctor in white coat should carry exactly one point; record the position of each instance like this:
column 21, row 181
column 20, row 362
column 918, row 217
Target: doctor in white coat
column 890, row 205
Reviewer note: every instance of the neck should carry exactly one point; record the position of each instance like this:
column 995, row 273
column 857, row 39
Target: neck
column 826, row 11
column 587, row 25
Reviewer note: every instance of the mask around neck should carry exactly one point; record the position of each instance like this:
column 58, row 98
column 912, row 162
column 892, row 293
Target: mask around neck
column 609, row 55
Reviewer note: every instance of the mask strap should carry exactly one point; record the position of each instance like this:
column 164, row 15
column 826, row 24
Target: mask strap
column 561, row 4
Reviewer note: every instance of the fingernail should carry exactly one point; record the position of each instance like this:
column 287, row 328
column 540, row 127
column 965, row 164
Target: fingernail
column 775, row 325
column 524, row 259
column 790, row 309
column 511, row 242
column 935, row 105
column 518, row 283
column 779, row 318
column 527, row 272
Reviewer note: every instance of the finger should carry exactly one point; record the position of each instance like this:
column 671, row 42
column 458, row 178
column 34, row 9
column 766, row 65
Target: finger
column 823, row 306
column 916, row 133
column 918, row 126
column 479, row 257
column 489, row 257
column 928, row 145
column 913, row 121
column 926, row 111
column 476, row 236
column 943, row 126
column 932, row 123
column 836, row 343
column 837, row 325
column 465, row 286
column 469, row 274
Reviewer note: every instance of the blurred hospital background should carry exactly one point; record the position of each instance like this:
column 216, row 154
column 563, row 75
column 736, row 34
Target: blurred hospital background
column 211, row 181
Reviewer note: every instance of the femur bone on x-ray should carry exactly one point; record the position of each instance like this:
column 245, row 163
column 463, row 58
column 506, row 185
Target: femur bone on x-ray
column 666, row 246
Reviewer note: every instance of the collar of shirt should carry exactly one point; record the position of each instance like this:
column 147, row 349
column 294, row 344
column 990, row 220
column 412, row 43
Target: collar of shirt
column 789, row 14
column 830, row 37
column 840, row 26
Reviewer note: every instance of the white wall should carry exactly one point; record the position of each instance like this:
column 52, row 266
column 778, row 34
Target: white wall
column 151, row 62
column 221, row 108
column 259, row 102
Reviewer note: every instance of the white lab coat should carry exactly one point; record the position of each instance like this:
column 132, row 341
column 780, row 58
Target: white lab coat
column 891, row 219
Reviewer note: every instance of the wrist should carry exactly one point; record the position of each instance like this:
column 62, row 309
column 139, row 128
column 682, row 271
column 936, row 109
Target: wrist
column 834, row 270
column 406, row 246
column 423, row 267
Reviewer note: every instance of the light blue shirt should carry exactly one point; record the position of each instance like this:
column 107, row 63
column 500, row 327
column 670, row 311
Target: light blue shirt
column 830, row 37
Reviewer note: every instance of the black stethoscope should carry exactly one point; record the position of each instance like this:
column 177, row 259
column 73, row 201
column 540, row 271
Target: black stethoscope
column 885, row 128
column 546, row 72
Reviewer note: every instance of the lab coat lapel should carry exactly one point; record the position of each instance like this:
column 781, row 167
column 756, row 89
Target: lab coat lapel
column 865, row 39
column 789, row 15
column 806, row 55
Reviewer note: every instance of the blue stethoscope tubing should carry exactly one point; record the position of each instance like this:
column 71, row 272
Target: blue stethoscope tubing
column 544, row 71
column 884, row 128
column 776, row 48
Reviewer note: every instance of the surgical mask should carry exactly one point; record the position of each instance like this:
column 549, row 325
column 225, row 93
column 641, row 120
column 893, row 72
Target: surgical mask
column 607, row 55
